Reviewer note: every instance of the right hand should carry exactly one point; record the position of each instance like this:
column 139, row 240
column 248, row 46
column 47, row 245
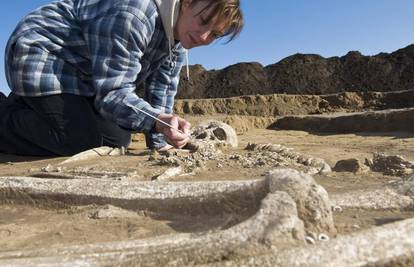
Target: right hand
column 173, row 137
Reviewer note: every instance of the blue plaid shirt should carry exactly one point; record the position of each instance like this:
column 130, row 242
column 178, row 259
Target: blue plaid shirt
column 100, row 48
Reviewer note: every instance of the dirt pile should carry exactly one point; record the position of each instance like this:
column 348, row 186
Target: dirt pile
column 305, row 74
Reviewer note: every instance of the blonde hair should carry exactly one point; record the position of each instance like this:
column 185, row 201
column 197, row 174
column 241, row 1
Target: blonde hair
column 227, row 11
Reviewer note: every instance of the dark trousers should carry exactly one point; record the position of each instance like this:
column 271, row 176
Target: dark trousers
column 63, row 125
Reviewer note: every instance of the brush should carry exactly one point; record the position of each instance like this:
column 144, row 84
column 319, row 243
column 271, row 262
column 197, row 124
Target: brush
column 155, row 118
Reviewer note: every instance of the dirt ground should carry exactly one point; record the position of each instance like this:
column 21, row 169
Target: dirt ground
column 34, row 225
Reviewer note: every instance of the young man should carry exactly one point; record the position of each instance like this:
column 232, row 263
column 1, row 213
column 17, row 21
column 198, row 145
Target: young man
column 73, row 67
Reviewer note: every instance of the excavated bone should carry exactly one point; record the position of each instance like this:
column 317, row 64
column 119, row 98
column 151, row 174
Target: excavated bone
column 396, row 195
column 379, row 199
column 95, row 153
column 86, row 173
column 405, row 186
column 312, row 200
column 275, row 223
column 169, row 174
column 315, row 165
column 388, row 245
column 215, row 131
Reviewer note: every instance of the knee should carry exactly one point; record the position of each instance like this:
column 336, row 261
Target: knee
column 76, row 142
column 122, row 139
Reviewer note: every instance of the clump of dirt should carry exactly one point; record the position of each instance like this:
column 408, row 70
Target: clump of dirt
column 305, row 74
column 395, row 165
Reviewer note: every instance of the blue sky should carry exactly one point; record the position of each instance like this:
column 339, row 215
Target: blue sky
column 276, row 29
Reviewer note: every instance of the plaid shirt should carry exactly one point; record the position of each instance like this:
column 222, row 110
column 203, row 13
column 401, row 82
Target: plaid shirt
column 100, row 48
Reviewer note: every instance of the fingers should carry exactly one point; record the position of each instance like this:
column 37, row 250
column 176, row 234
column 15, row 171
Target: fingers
column 165, row 148
column 184, row 125
column 177, row 123
column 174, row 137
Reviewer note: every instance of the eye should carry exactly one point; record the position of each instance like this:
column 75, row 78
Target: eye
column 216, row 35
column 203, row 21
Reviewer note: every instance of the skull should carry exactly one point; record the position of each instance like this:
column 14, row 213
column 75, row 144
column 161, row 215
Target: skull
column 215, row 131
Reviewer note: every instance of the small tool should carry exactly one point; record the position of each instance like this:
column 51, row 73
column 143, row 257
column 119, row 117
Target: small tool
column 155, row 118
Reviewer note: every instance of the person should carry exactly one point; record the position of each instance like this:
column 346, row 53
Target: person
column 74, row 66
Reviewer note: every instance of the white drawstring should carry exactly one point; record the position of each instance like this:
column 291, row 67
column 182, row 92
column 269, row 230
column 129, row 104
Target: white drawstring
column 187, row 65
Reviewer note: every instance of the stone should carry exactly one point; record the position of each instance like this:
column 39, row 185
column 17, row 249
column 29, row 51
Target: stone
column 350, row 165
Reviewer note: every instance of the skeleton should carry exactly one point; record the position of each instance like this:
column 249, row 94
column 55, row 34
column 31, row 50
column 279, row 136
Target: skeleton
column 215, row 131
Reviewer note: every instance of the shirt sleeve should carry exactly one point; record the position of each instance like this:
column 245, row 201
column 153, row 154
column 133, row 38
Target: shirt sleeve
column 116, row 43
column 161, row 88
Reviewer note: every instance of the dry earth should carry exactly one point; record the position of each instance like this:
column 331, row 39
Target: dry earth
column 42, row 222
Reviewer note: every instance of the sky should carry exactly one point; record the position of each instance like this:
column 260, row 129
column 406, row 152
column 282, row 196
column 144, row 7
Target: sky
column 275, row 29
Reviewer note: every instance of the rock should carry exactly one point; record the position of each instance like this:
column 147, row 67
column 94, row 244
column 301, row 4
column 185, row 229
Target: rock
column 312, row 201
column 350, row 165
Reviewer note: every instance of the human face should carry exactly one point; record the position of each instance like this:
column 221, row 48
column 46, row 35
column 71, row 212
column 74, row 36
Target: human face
column 191, row 28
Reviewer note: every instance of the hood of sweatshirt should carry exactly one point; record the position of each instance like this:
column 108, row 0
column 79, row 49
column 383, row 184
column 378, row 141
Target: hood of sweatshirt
column 169, row 10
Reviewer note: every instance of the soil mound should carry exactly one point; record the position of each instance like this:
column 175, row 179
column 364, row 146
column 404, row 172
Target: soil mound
column 305, row 74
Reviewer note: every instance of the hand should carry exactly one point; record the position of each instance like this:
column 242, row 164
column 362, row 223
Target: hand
column 165, row 148
column 174, row 137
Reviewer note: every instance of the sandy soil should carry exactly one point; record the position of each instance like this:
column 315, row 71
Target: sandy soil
column 28, row 226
